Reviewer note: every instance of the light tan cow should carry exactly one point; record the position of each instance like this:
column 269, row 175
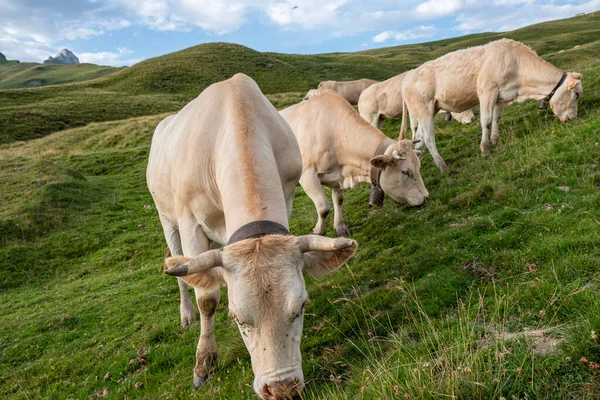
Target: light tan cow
column 383, row 100
column 339, row 150
column 493, row 76
column 349, row 90
column 223, row 171
column 310, row 94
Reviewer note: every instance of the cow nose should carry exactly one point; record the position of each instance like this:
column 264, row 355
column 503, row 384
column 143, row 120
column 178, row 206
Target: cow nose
column 283, row 390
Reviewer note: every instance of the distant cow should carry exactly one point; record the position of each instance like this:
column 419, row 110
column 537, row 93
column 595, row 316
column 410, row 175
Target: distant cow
column 310, row 94
column 340, row 149
column 223, row 171
column 349, row 90
column 493, row 76
column 383, row 100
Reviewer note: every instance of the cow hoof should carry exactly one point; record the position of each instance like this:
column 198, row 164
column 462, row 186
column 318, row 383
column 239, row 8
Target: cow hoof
column 313, row 232
column 495, row 143
column 485, row 153
column 342, row 231
column 200, row 380
column 187, row 321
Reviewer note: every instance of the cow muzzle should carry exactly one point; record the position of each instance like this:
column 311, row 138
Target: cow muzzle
column 282, row 390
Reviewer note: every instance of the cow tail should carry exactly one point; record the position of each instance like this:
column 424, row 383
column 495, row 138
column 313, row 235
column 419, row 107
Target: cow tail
column 404, row 118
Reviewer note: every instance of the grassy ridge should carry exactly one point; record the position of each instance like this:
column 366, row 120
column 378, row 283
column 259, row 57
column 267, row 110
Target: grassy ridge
column 15, row 74
column 178, row 77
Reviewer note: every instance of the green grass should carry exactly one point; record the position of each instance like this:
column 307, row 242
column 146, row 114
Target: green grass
column 445, row 300
column 15, row 74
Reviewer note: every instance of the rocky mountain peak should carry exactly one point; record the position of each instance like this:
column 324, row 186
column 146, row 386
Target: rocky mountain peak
column 2, row 57
column 65, row 56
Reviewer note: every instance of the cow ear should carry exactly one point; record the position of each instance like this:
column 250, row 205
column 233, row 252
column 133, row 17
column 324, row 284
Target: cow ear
column 323, row 255
column 572, row 84
column 381, row 161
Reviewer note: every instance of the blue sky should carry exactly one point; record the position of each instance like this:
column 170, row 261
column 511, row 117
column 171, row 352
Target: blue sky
column 123, row 32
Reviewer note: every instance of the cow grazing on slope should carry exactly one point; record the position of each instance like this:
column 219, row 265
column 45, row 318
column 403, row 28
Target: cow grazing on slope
column 223, row 171
column 350, row 90
column 383, row 100
column 493, row 75
column 340, row 149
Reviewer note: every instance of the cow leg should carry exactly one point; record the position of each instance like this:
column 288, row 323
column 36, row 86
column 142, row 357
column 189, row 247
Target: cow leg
column 426, row 129
column 415, row 132
column 341, row 229
column 187, row 313
column 207, row 290
column 312, row 187
column 497, row 114
column 380, row 120
column 487, row 104
column 207, row 352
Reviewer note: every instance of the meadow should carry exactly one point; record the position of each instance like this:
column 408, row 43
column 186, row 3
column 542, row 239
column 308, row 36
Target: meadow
column 490, row 290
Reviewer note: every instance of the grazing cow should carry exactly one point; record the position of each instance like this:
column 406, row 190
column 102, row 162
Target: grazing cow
column 311, row 93
column 340, row 149
column 383, row 100
column 349, row 90
column 223, row 171
column 493, row 75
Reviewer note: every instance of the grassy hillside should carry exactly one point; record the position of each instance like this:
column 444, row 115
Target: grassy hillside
column 490, row 290
column 178, row 77
column 14, row 74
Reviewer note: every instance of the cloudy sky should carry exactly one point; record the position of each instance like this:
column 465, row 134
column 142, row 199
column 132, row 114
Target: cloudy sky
column 123, row 32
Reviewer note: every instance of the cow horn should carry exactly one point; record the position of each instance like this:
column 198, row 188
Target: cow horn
column 203, row 262
column 320, row 243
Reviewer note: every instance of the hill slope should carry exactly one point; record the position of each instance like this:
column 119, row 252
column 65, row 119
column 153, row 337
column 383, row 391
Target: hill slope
column 489, row 290
column 15, row 74
column 178, row 77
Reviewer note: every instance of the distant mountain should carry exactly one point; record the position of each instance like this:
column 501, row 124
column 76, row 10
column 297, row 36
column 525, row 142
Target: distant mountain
column 65, row 56
column 2, row 57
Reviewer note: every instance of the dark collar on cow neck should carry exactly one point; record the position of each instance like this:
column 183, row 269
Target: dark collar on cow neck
column 546, row 100
column 257, row 229
column 376, row 172
column 376, row 198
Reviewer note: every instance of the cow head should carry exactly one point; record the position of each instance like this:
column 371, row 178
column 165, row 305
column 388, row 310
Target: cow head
column 267, row 296
column 465, row 117
column 564, row 101
column 401, row 173
column 311, row 93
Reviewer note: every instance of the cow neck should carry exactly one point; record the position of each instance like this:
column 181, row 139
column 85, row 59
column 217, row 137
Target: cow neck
column 538, row 78
column 376, row 172
column 546, row 100
column 257, row 229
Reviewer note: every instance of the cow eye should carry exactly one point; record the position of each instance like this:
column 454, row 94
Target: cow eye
column 406, row 172
column 577, row 95
column 299, row 313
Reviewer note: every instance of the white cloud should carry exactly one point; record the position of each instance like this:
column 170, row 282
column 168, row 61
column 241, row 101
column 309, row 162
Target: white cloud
column 307, row 14
column 217, row 16
column 433, row 9
column 116, row 58
column 506, row 15
column 416, row 33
